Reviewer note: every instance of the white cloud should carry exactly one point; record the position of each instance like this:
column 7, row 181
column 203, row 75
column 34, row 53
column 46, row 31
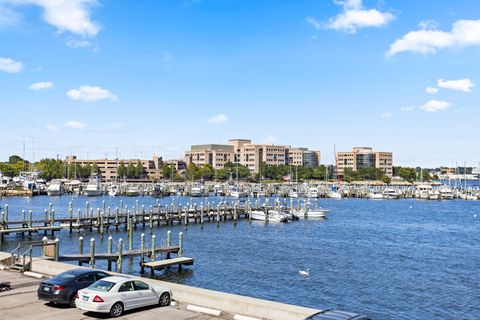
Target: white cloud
column 314, row 22
column 10, row 65
column 431, row 90
column 464, row 85
column 354, row 17
column 74, row 125
column 75, row 43
column 8, row 16
column 218, row 119
column 464, row 33
column 411, row 108
column 66, row 15
column 51, row 127
column 41, row 86
column 91, row 94
column 435, row 105
column 387, row 115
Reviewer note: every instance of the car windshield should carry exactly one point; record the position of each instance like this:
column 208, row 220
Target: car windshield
column 102, row 285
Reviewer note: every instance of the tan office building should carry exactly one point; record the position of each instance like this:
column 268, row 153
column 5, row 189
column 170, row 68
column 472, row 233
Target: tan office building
column 108, row 167
column 242, row 151
column 303, row 157
column 216, row 155
column 365, row 157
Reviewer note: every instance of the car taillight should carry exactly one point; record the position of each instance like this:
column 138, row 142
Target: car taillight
column 58, row 288
column 97, row 299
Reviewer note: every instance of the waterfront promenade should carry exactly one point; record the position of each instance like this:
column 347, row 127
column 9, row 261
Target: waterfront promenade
column 228, row 306
column 21, row 303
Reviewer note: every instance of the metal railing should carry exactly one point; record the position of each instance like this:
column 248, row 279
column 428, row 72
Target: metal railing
column 14, row 258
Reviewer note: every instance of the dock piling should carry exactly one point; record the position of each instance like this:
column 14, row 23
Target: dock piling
column 92, row 253
column 152, row 257
column 120, row 252
column 180, row 244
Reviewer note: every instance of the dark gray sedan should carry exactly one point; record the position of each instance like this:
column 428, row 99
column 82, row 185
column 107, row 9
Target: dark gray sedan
column 63, row 288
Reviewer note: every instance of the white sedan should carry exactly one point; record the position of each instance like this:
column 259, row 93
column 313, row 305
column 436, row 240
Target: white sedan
column 116, row 294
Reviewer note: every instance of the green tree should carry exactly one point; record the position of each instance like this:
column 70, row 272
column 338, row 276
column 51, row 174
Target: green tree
column 8, row 170
column 408, row 174
column 14, row 159
column 168, row 171
column 206, row 172
column 425, row 175
column 139, row 170
column 121, row 170
column 192, row 172
column 51, row 169
column 131, row 171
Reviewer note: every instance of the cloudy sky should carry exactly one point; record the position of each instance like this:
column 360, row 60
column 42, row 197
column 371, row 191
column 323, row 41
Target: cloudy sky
column 86, row 77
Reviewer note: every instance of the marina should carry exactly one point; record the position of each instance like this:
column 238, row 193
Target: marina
column 341, row 252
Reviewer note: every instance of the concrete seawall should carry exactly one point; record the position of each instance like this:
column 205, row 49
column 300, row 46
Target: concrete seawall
column 231, row 303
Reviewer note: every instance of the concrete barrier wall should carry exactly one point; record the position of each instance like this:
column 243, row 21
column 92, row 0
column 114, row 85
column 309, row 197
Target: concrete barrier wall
column 227, row 302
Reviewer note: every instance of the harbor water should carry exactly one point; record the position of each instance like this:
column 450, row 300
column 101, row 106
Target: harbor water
column 389, row 259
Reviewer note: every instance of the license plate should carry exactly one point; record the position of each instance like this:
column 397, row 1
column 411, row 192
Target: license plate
column 46, row 289
column 85, row 298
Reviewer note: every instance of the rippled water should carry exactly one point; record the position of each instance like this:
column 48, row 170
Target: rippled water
column 399, row 259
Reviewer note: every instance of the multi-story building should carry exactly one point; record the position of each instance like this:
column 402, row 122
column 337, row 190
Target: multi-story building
column 178, row 165
column 364, row 157
column 108, row 167
column 242, row 151
column 216, row 155
column 303, row 157
column 238, row 147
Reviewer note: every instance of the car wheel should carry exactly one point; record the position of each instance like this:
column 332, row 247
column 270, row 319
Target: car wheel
column 164, row 300
column 116, row 310
column 72, row 301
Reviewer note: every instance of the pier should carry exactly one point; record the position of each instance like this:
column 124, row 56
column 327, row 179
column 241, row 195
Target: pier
column 105, row 219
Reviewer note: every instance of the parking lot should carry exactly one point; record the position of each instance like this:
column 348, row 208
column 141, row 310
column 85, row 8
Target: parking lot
column 21, row 303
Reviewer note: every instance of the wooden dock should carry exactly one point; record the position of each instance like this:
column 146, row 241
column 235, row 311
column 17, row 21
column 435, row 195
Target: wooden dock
column 85, row 257
column 105, row 219
column 162, row 264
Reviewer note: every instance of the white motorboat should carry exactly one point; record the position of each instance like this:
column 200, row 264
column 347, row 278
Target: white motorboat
column 114, row 190
column 390, row 193
column 93, row 187
column 196, row 192
column 313, row 192
column 293, row 194
column 133, row 191
column 375, row 195
column 258, row 215
column 277, row 216
column 334, row 194
column 423, row 191
column 446, row 193
column 55, row 188
column 235, row 192
column 317, row 213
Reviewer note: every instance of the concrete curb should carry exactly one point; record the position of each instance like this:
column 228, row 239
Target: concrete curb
column 240, row 317
column 34, row 275
column 209, row 311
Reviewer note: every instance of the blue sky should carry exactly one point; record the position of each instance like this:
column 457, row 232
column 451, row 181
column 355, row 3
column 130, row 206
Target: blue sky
column 85, row 77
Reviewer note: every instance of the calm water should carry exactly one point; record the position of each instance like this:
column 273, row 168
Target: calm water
column 399, row 259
